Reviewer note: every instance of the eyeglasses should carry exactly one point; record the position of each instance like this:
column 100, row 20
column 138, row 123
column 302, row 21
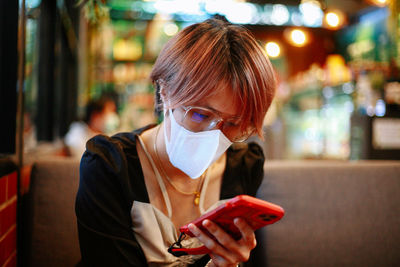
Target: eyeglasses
column 198, row 119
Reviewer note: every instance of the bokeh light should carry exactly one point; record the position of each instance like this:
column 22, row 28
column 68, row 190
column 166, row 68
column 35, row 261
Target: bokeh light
column 379, row 2
column 273, row 49
column 298, row 37
column 170, row 29
column 312, row 13
column 332, row 19
column 280, row 14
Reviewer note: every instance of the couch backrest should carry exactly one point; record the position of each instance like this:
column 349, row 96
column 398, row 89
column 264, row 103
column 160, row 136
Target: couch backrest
column 337, row 214
column 53, row 237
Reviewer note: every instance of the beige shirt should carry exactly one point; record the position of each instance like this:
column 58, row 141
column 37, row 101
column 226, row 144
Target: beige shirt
column 156, row 232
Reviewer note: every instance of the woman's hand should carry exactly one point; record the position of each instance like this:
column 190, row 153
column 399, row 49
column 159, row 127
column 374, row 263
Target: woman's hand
column 227, row 251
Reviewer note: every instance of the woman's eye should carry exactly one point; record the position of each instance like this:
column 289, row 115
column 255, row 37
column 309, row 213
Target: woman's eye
column 198, row 117
column 231, row 124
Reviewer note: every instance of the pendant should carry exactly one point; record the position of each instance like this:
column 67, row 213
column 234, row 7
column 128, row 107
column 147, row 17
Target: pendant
column 196, row 198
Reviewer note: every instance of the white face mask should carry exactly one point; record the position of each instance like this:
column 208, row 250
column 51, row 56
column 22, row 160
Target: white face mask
column 193, row 152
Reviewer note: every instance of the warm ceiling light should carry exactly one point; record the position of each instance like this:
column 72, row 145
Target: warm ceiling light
column 379, row 2
column 298, row 37
column 382, row 2
column 332, row 19
column 273, row 50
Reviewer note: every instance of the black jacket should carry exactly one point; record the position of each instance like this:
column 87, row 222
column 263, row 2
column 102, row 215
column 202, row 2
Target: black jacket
column 111, row 179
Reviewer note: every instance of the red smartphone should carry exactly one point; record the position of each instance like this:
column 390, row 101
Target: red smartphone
column 256, row 212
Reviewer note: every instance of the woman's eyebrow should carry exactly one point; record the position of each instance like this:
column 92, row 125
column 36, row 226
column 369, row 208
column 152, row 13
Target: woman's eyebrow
column 222, row 114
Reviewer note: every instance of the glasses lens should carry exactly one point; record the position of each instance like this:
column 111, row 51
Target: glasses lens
column 198, row 119
column 241, row 136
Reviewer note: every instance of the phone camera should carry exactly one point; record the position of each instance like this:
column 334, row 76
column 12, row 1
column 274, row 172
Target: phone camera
column 267, row 217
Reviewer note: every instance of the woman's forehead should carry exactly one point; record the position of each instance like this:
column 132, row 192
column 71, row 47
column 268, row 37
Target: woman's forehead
column 223, row 102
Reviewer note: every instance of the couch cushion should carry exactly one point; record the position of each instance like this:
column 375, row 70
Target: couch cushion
column 337, row 214
column 54, row 237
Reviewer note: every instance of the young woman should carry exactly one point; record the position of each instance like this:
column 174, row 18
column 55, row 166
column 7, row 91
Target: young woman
column 136, row 189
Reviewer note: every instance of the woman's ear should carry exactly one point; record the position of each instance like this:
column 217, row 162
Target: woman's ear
column 162, row 90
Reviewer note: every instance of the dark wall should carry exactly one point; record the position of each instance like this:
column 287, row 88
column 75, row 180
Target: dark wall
column 321, row 43
column 8, row 75
column 57, row 93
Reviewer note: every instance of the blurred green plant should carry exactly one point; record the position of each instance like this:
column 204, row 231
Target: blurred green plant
column 377, row 79
column 94, row 10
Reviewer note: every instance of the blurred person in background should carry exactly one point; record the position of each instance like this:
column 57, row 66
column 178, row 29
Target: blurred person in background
column 215, row 85
column 100, row 118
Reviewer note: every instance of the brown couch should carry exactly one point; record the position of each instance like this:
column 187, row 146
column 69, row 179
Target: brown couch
column 337, row 214
column 49, row 234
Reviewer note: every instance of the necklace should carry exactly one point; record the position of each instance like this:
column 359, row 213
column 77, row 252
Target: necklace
column 195, row 193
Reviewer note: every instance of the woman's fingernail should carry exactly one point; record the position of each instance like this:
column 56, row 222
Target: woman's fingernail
column 236, row 221
column 206, row 223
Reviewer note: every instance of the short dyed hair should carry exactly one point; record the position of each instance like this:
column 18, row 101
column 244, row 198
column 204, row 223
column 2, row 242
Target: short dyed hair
column 215, row 54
